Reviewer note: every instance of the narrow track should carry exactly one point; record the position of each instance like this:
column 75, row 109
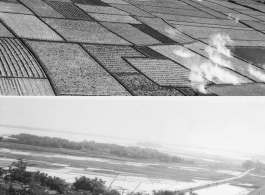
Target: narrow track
column 214, row 183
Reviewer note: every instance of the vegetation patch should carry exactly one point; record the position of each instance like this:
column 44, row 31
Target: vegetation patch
column 123, row 151
column 163, row 72
column 74, row 72
column 17, row 61
column 29, row 26
column 69, row 10
column 25, row 87
column 84, row 31
column 42, row 9
column 130, row 33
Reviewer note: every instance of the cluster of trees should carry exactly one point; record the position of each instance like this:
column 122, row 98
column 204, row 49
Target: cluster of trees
column 47, row 141
column 95, row 186
column 249, row 164
column 114, row 149
column 54, row 183
column 18, row 173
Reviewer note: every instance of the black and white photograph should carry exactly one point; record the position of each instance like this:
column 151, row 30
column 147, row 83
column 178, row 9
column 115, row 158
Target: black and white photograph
column 69, row 124
column 117, row 146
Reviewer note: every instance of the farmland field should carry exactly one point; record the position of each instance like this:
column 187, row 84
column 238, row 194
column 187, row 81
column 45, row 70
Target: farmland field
column 123, row 174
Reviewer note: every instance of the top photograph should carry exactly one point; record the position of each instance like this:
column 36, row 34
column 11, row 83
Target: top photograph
column 132, row 47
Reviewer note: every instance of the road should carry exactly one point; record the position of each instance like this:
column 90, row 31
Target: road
column 215, row 183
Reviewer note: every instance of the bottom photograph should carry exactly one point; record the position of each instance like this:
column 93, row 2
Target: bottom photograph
column 118, row 146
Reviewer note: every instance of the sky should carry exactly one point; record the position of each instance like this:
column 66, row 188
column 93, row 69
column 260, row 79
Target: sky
column 230, row 124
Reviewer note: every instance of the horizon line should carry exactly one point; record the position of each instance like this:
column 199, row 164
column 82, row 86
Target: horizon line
column 57, row 130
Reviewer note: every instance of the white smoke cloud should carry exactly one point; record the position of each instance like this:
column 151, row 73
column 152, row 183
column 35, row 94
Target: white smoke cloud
column 212, row 72
column 213, row 69
column 171, row 31
column 214, row 55
column 256, row 73
column 185, row 53
column 220, row 41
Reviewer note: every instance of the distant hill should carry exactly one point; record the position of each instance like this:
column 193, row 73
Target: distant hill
column 149, row 145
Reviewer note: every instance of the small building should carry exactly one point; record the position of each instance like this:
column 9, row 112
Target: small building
column 5, row 169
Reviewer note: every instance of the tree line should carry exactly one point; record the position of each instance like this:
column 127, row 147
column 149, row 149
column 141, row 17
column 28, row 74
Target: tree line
column 249, row 164
column 105, row 148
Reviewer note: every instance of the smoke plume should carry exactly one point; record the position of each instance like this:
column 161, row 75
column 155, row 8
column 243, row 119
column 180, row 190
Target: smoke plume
column 183, row 53
column 172, row 31
column 256, row 73
column 213, row 69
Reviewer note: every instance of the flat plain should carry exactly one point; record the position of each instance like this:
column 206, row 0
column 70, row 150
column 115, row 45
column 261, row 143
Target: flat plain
column 129, row 174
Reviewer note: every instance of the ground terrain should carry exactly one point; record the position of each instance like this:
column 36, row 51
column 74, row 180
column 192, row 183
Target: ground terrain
column 125, row 173
column 129, row 47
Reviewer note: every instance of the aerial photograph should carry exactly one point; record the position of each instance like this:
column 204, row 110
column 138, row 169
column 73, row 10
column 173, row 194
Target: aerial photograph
column 118, row 146
column 132, row 47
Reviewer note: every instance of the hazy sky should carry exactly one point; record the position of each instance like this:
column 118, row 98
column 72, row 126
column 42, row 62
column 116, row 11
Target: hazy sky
column 235, row 124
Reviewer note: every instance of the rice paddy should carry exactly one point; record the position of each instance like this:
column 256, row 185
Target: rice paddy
column 160, row 26
column 35, row 28
column 76, row 77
